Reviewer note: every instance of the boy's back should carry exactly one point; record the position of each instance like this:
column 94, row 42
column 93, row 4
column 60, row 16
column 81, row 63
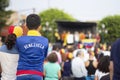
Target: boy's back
column 33, row 50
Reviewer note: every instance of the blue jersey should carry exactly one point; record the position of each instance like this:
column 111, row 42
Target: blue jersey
column 32, row 51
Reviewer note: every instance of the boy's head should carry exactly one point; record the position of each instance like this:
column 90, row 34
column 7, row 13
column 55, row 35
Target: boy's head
column 33, row 21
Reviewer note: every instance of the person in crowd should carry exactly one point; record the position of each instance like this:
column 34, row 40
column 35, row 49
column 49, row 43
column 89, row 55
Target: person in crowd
column 66, row 67
column 50, row 47
column 104, row 50
column 89, row 35
column 91, row 65
column 52, row 70
column 78, row 47
column 82, row 36
column 32, row 49
column 78, row 67
column 81, row 47
column 63, row 54
column 115, row 61
column 100, row 56
column 70, row 38
column 57, row 37
column 9, row 54
column 64, row 38
column 102, row 68
column 76, row 38
column 97, row 37
column 56, row 49
column 97, row 52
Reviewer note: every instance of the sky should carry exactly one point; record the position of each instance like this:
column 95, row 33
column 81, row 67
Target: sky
column 82, row 10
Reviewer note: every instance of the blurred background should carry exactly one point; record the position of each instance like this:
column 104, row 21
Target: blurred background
column 58, row 16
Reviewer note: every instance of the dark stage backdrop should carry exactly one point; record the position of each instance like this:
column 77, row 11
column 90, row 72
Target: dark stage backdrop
column 76, row 26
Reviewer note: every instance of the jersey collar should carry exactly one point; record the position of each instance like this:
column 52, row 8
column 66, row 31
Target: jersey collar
column 33, row 33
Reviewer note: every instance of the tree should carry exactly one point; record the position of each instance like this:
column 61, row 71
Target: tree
column 112, row 24
column 4, row 15
column 48, row 18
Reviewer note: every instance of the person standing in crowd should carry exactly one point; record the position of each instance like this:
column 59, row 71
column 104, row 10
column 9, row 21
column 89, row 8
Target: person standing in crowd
column 115, row 61
column 63, row 38
column 91, row 65
column 56, row 49
column 81, row 36
column 57, row 37
column 9, row 54
column 103, row 68
column 52, row 70
column 78, row 67
column 76, row 38
column 66, row 67
column 97, row 37
column 32, row 49
column 70, row 38
column 89, row 35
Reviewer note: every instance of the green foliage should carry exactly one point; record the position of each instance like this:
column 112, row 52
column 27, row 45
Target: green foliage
column 4, row 15
column 4, row 4
column 52, row 15
column 112, row 24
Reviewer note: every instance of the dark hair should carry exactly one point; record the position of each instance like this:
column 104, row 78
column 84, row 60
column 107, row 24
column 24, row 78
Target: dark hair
column 52, row 57
column 100, row 55
column 10, row 41
column 103, row 64
column 56, row 47
column 70, row 49
column 33, row 21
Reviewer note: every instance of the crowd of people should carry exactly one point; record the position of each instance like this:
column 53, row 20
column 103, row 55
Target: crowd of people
column 82, row 63
column 32, row 57
column 67, row 37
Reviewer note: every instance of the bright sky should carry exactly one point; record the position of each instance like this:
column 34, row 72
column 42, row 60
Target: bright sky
column 82, row 10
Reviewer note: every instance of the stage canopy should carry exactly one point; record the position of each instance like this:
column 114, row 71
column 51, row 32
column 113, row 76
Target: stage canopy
column 76, row 26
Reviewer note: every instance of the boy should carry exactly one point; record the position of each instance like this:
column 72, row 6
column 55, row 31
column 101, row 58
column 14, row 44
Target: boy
column 32, row 50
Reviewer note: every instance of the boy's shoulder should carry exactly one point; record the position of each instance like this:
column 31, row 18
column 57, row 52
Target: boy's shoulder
column 28, row 37
column 32, row 38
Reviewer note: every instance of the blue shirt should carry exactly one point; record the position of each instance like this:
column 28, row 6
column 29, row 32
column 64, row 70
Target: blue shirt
column 67, row 69
column 115, row 57
column 3, row 48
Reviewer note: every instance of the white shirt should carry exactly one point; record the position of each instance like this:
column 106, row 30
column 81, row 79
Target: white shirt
column 78, row 68
column 9, row 64
column 76, row 37
column 70, row 39
column 106, row 53
column 100, row 74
